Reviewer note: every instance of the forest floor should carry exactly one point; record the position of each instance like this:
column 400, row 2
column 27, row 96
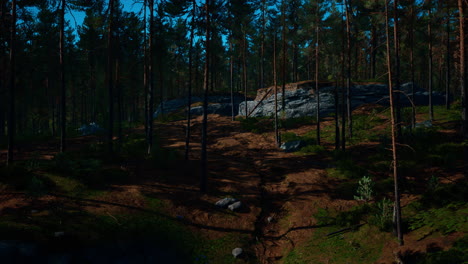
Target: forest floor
column 290, row 201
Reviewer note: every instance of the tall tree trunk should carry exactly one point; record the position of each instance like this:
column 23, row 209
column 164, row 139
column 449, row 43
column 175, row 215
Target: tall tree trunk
column 463, row 81
column 150, row 95
column 62, row 80
column 348, row 69
column 110, row 78
column 317, row 90
column 343, row 90
column 429, row 33
column 244, row 71
column 447, row 61
column 413, row 111
column 11, row 99
column 262, row 48
column 145, row 68
column 373, row 51
column 393, row 131
column 189, row 96
column 337, row 123
column 231, row 77
column 118, row 89
column 275, row 84
column 204, row 161
column 283, row 70
column 396, row 37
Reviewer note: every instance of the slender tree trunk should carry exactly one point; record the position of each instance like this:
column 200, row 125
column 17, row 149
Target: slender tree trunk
column 262, row 48
column 145, row 68
column 337, row 123
column 317, row 90
column 343, row 90
column 231, row 77
column 283, row 70
column 373, row 51
column 413, row 111
column 62, row 80
column 189, row 96
column 393, row 135
column 118, row 89
column 150, row 74
column 110, row 78
column 348, row 69
column 396, row 37
column 275, row 84
column 244, row 71
column 447, row 62
column 11, row 105
column 204, row 169
column 463, row 81
column 429, row 32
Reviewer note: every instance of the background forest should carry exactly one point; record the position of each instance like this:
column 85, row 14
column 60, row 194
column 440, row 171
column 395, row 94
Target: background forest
column 91, row 158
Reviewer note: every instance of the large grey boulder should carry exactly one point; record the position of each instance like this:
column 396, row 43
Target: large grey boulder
column 303, row 101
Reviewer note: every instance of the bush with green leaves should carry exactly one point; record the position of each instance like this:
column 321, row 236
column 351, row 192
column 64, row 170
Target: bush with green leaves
column 383, row 215
column 365, row 189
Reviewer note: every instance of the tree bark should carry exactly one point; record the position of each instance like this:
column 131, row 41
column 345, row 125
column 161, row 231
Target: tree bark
column 11, row 105
column 463, row 82
column 204, row 168
column 189, row 95
column 429, row 33
column 447, row 62
column 110, row 78
column 150, row 95
column 275, row 84
column 283, row 69
column 62, row 80
column 317, row 90
column 411, row 33
column 348, row 69
column 393, row 132
column 396, row 37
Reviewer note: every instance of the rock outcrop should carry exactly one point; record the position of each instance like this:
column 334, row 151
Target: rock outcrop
column 300, row 100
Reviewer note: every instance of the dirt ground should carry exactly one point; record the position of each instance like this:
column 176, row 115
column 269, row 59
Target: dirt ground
column 280, row 191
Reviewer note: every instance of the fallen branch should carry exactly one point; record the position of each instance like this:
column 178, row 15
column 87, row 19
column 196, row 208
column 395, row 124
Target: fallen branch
column 345, row 229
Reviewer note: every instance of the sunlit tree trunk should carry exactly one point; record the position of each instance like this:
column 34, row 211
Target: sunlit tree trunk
column 393, row 131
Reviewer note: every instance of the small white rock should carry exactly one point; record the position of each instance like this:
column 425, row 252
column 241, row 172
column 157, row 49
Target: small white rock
column 237, row 252
column 235, row 206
